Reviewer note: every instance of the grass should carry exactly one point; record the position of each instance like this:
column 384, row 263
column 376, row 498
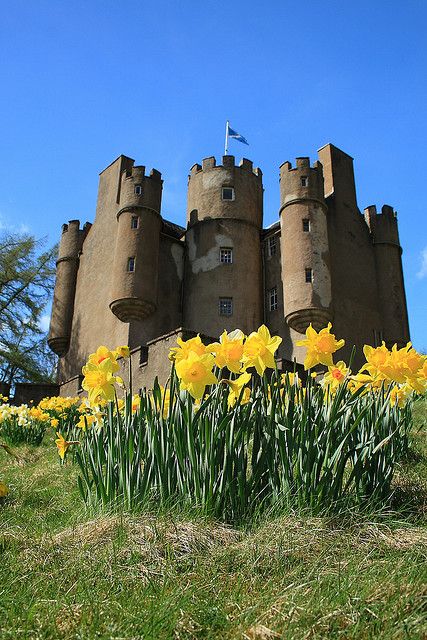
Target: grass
column 66, row 572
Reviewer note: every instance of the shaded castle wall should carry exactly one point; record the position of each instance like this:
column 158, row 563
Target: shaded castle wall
column 93, row 323
column 388, row 261
column 356, row 315
column 168, row 315
column 275, row 319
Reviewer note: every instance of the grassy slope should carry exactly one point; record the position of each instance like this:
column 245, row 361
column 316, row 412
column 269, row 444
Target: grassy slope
column 66, row 573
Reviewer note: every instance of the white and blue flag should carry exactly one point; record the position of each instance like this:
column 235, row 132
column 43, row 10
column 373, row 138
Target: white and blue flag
column 231, row 133
column 236, row 136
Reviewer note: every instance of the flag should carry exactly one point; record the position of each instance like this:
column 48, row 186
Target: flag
column 236, row 136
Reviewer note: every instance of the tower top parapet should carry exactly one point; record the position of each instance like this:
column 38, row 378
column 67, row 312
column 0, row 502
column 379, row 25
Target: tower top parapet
column 228, row 162
column 383, row 226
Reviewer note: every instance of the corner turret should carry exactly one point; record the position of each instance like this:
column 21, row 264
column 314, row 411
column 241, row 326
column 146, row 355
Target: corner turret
column 136, row 255
column 67, row 264
column 388, row 261
column 304, row 246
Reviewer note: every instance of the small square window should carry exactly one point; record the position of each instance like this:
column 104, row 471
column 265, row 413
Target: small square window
column 304, row 181
column 138, row 189
column 309, row 275
column 226, row 255
column 306, row 224
column 272, row 246
column 226, row 306
column 134, row 222
column 228, row 193
column 272, row 299
column 131, row 264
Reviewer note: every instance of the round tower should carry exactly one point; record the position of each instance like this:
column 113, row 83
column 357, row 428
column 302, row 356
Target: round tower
column 388, row 262
column 67, row 266
column 304, row 246
column 136, row 255
column 223, row 270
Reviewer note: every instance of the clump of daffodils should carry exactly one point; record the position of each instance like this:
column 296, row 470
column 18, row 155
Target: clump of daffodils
column 195, row 362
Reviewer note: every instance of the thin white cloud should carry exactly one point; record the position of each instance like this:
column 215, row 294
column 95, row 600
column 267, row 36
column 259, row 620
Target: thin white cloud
column 422, row 273
column 44, row 322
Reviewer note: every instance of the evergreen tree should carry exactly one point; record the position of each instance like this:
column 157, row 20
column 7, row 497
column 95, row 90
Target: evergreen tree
column 27, row 273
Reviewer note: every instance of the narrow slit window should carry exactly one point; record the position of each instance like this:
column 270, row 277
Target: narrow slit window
column 304, row 181
column 226, row 306
column 272, row 246
column 228, row 193
column 138, row 189
column 272, row 299
column 131, row 264
column 306, row 225
column 226, row 255
column 309, row 275
column 134, row 222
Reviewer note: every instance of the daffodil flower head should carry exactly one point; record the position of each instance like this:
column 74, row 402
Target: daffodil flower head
column 236, row 387
column 99, row 381
column 185, row 347
column 102, row 354
column 4, row 491
column 195, row 373
column 259, row 350
column 229, row 350
column 122, row 352
column 320, row 346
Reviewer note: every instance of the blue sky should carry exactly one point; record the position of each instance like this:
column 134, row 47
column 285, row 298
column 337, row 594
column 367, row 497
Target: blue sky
column 82, row 82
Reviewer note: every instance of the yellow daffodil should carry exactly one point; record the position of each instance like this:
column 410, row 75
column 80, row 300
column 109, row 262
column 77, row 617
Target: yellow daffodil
column 400, row 394
column 292, row 378
column 259, row 350
column 63, row 445
column 87, row 420
column 54, row 423
column 376, row 358
column 236, row 387
column 229, row 350
column 320, row 346
column 123, row 352
column 195, row 373
column 136, row 401
column 4, row 491
column 102, row 354
column 99, row 381
column 336, row 375
column 184, row 347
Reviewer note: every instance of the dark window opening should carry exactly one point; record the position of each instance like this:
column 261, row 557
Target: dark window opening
column 131, row 264
column 226, row 306
column 309, row 275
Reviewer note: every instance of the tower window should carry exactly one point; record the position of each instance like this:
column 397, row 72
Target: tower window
column 272, row 299
column 272, row 246
column 306, row 224
column 309, row 275
column 228, row 193
column 226, row 306
column 226, row 255
column 138, row 189
column 304, row 181
column 131, row 264
column 134, row 222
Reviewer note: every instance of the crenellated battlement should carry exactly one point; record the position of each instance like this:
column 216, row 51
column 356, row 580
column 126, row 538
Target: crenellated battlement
column 138, row 173
column 228, row 162
column 302, row 182
column 302, row 163
column 383, row 226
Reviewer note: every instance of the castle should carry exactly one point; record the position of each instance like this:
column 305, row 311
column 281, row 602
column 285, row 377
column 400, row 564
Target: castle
column 134, row 278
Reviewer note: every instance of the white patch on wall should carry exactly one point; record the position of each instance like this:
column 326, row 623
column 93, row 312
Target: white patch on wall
column 211, row 259
column 176, row 252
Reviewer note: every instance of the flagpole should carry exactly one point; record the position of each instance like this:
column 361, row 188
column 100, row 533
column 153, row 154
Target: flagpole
column 226, row 139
